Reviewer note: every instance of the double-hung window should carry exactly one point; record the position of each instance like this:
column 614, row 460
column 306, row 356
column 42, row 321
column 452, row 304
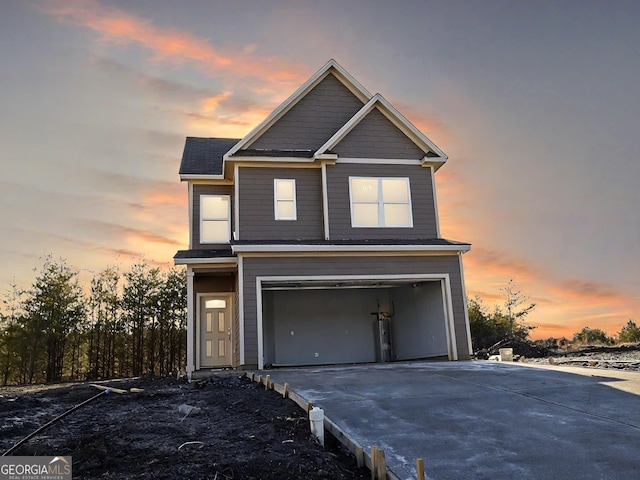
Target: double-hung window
column 215, row 215
column 380, row 202
column 284, row 199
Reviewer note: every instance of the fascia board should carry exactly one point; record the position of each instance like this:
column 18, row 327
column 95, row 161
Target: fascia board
column 351, row 83
column 380, row 161
column 188, row 177
column 271, row 159
column 407, row 127
column 429, row 162
column 205, row 261
column 347, row 248
column 346, row 128
column 327, row 157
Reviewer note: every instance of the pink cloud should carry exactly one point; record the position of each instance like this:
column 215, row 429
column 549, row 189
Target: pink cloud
column 117, row 26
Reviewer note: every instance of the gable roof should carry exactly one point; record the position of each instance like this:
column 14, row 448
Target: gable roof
column 331, row 67
column 204, row 156
column 432, row 153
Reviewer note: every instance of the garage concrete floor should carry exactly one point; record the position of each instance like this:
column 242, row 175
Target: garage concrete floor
column 484, row 420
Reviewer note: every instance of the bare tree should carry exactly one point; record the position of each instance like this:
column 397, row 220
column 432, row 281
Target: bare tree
column 516, row 306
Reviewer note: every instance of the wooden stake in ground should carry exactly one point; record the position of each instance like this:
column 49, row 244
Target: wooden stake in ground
column 381, row 466
column 111, row 389
column 420, row 468
column 374, row 458
column 378, row 464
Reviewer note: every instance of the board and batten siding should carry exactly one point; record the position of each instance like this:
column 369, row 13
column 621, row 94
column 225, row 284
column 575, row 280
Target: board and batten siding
column 376, row 137
column 195, row 224
column 257, row 216
column 422, row 201
column 345, row 265
column 313, row 120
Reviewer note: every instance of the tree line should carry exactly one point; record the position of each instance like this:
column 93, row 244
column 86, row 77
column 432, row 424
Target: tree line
column 129, row 323
column 509, row 321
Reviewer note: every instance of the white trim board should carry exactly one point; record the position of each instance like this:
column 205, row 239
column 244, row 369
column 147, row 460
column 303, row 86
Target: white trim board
column 186, row 177
column 380, row 161
column 347, row 248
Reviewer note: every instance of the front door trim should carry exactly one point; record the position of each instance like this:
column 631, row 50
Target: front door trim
column 198, row 321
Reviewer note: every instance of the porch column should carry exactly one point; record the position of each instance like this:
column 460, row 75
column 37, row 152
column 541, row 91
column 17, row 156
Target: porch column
column 190, row 323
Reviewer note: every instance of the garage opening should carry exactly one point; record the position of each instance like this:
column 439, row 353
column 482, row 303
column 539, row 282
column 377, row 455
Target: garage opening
column 321, row 323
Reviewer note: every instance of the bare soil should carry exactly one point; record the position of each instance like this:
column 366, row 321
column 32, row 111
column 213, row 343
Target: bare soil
column 240, row 432
column 619, row 357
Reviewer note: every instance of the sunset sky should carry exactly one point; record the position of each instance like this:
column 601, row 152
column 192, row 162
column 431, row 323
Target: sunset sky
column 536, row 103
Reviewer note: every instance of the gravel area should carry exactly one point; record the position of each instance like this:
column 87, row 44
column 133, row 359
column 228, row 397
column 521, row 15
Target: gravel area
column 605, row 359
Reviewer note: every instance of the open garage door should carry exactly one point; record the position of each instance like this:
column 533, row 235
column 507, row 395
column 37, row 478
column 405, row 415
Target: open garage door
column 317, row 322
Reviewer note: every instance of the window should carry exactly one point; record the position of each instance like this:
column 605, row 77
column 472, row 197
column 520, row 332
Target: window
column 380, row 202
column 215, row 304
column 214, row 218
column 284, row 199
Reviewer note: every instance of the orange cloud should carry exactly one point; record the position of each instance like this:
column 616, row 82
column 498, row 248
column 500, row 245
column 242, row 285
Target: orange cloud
column 132, row 234
column 564, row 305
column 500, row 264
column 117, row 26
column 429, row 124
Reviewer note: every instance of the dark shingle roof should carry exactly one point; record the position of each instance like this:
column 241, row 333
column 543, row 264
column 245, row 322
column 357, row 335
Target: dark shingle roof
column 203, row 156
column 200, row 254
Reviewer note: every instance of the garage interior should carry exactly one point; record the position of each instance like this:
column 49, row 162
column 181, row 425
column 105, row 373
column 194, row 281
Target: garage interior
column 328, row 323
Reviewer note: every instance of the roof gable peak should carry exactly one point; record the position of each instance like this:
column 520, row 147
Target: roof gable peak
column 377, row 101
column 330, row 68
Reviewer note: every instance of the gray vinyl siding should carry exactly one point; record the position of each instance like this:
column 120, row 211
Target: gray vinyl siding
column 257, row 216
column 195, row 224
column 313, row 120
column 376, row 137
column 365, row 265
column 422, row 201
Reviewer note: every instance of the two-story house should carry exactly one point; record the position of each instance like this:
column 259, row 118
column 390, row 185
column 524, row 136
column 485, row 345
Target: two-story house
column 315, row 238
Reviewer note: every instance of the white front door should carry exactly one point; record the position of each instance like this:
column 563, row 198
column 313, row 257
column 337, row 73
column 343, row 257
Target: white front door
column 215, row 332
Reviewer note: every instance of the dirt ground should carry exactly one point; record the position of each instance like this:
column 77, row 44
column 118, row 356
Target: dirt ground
column 619, row 357
column 240, row 432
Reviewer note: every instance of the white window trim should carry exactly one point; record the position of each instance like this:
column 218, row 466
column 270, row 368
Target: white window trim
column 276, row 199
column 228, row 219
column 381, row 222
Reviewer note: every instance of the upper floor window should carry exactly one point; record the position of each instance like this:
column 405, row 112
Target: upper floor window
column 380, row 202
column 284, row 199
column 215, row 215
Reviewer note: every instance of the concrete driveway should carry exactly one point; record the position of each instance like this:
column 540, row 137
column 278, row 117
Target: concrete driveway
column 484, row 420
